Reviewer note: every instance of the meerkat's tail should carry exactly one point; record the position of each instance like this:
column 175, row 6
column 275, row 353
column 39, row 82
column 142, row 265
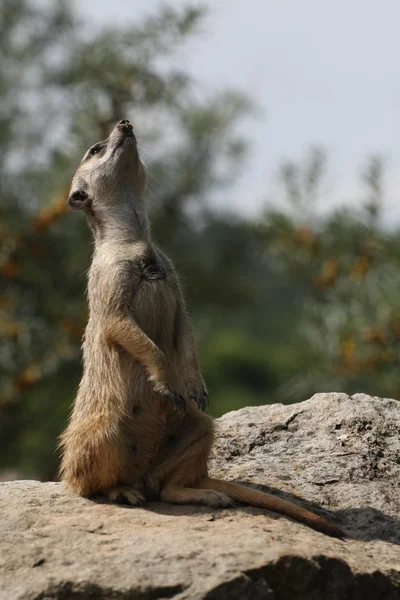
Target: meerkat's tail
column 254, row 497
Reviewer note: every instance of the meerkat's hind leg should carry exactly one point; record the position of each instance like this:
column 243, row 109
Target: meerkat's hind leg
column 184, row 495
column 124, row 494
column 184, row 465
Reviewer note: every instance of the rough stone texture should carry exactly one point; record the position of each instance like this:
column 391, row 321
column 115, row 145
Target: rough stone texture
column 335, row 451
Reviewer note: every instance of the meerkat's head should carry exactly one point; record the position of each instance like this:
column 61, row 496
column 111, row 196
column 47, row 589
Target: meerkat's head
column 111, row 178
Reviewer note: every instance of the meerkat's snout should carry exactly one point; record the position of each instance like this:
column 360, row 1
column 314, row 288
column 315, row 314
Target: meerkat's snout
column 126, row 126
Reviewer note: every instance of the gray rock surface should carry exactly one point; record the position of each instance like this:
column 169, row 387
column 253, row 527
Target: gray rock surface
column 339, row 452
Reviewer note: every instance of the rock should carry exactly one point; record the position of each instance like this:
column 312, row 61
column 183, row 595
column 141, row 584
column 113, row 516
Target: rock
column 334, row 451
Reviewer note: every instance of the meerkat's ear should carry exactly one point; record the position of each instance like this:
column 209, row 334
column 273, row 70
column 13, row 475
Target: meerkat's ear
column 78, row 199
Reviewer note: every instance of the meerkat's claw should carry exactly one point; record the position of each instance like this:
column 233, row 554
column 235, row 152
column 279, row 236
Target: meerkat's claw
column 217, row 499
column 125, row 495
column 199, row 401
column 177, row 399
column 200, row 397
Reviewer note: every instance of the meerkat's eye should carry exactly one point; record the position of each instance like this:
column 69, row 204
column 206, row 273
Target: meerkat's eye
column 96, row 149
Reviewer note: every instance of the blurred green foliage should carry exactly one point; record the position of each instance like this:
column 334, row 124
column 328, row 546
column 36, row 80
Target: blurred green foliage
column 284, row 306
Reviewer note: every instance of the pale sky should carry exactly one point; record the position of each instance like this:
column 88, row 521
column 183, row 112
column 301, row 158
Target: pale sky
column 323, row 73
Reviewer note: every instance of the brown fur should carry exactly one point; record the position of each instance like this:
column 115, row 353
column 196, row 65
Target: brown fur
column 136, row 428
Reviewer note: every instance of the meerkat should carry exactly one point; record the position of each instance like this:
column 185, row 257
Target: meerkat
column 138, row 429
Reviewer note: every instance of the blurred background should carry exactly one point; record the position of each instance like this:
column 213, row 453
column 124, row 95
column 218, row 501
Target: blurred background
column 268, row 129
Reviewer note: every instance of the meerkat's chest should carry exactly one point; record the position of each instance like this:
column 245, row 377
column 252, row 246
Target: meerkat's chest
column 142, row 286
column 154, row 308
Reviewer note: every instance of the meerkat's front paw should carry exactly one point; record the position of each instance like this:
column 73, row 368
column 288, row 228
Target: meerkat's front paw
column 125, row 495
column 199, row 394
column 177, row 400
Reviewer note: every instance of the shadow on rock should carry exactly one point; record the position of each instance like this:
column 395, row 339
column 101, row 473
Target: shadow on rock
column 364, row 524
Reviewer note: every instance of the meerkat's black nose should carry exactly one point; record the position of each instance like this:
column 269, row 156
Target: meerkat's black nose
column 126, row 127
